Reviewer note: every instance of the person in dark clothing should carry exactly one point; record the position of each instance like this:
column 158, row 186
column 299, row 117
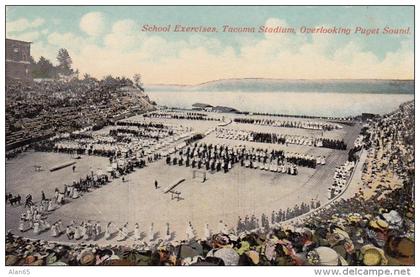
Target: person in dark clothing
column 28, row 201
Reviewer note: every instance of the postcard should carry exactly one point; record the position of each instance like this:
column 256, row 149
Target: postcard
column 209, row 135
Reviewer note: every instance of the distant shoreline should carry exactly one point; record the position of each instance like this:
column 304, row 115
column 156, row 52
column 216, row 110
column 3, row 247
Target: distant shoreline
column 253, row 85
column 280, row 79
column 313, row 104
column 323, row 92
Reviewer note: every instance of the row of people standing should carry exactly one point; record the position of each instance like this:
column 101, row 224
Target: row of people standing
column 148, row 133
column 274, row 138
column 141, row 124
column 221, row 157
column 313, row 125
column 218, row 157
column 341, row 177
column 179, row 115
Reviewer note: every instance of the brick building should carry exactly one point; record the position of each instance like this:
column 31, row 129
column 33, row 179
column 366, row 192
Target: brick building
column 18, row 65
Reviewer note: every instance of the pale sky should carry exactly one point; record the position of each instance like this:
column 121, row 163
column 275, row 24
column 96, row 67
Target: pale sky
column 106, row 40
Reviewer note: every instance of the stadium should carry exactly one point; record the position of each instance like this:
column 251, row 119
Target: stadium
column 242, row 191
column 165, row 177
column 269, row 149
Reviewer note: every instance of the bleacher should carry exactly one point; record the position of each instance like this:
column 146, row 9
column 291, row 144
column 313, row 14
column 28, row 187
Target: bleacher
column 39, row 110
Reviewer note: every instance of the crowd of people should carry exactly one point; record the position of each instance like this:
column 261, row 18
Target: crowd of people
column 38, row 110
column 13, row 200
column 204, row 156
column 145, row 132
column 277, row 160
column 377, row 234
column 125, row 139
column 342, row 120
column 312, row 125
column 36, row 214
column 252, row 223
column 180, row 115
column 305, row 160
column 341, row 178
column 11, row 154
column 222, row 157
column 361, row 230
column 140, row 124
column 273, row 138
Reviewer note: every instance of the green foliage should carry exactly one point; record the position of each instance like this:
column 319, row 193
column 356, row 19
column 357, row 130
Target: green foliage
column 43, row 68
column 64, row 62
column 46, row 70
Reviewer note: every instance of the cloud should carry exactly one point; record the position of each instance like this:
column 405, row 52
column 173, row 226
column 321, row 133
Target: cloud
column 23, row 24
column 37, row 22
column 93, row 23
column 124, row 36
column 124, row 51
column 126, row 26
column 65, row 40
column 27, row 36
column 46, row 50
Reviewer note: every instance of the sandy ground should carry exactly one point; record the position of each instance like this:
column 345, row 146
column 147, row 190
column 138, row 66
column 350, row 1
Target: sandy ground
column 22, row 178
column 240, row 192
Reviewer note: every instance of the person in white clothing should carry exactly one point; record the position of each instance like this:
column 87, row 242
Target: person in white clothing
column 44, row 225
column 54, row 232
column 75, row 194
column 121, row 234
column 84, row 231
column 222, row 228
column 137, row 232
column 22, row 225
column 108, row 230
column 190, row 231
column 151, row 232
column 60, row 227
column 125, row 229
column 60, row 199
column 77, row 233
column 98, row 230
column 51, row 206
column 36, row 228
column 207, row 233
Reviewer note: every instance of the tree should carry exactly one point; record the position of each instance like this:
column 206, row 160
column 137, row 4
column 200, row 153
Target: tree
column 137, row 81
column 43, row 68
column 32, row 61
column 46, row 68
column 64, row 62
column 34, row 67
column 110, row 82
